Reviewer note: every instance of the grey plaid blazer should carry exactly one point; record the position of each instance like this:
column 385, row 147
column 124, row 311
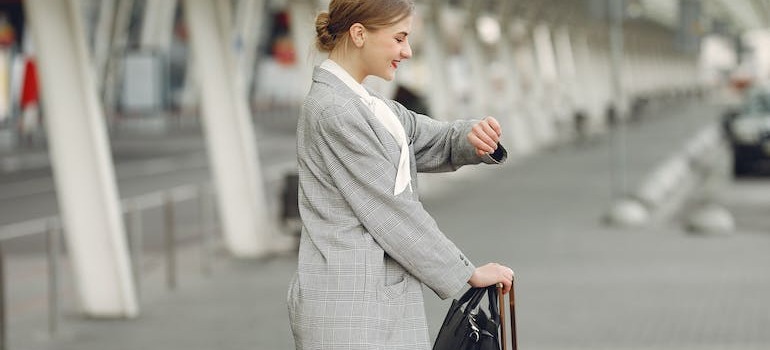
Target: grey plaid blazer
column 363, row 251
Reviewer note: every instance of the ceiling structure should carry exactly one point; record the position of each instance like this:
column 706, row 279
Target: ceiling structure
column 734, row 16
column 737, row 15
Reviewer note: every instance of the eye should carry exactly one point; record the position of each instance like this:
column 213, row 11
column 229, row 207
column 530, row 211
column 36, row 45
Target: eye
column 399, row 40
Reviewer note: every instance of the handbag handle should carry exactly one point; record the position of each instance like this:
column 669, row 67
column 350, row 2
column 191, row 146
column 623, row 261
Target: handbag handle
column 471, row 299
column 494, row 304
column 471, row 294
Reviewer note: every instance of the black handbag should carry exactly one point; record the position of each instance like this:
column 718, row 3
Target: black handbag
column 466, row 325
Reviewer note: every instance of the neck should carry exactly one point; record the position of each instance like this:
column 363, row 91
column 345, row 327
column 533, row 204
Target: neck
column 348, row 63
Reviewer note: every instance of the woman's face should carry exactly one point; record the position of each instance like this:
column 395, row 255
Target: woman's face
column 384, row 49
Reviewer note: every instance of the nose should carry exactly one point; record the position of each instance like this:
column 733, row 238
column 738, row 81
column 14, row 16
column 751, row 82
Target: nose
column 406, row 52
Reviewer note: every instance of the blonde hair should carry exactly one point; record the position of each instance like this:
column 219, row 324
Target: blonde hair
column 332, row 26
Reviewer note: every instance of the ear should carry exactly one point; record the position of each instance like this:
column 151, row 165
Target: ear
column 358, row 34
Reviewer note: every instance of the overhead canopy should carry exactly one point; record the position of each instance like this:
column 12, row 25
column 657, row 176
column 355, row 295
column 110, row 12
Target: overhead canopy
column 737, row 15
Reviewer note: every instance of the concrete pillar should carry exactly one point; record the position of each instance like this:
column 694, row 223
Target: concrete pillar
column 302, row 14
column 155, row 37
column 158, row 25
column 545, row 89
column 117, row 46
column 83, row 171
column 474, row 51
column 232, row 149
column 439, row 102
column 618, row 136
column 584, row 84
column 566, row 82
column 102, row 38
column 514, row 126
column 249, row 17
column 617, row 49
column 600, row 76
column 631, row 68
column 6, row 64
column 524, row 58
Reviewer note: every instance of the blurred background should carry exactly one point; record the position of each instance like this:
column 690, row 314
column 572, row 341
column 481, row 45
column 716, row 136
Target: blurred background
column 148, row 167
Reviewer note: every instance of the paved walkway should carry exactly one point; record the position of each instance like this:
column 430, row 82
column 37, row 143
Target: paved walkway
column 581, row 285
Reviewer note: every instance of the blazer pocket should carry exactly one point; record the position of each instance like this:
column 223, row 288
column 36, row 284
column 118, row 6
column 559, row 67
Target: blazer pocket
column 393, row 291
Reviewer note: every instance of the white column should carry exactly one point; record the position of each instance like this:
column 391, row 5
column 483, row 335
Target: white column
column 473, row 49
column 83, row 171
column 229, row 131
column 248, row 26
column 524, row 58
column 630, row 70
column 585, row 82
column 565, row 84
column 158, row 24
column 5, row 90
column 514, row 126
column 302, row 14
column 439, row 103
column 546, row 92
column 102, row 38
column 597, row 56
column 118, row 45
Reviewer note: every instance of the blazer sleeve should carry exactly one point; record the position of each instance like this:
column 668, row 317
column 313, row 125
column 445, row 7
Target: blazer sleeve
column 442, row 146
column 364, row 176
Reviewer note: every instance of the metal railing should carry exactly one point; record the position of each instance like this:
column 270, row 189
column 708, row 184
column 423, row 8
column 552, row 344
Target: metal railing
column 133, row 209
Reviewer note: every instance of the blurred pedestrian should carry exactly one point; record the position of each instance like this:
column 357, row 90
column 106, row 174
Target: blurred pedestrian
column 29, row 102
column 367, row 243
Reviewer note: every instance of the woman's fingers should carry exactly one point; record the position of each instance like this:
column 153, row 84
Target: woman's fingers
column 506, row 286
column 507, row 279
column 495, row 125
column 490, row 274
column 479, row 144
column 485, row 135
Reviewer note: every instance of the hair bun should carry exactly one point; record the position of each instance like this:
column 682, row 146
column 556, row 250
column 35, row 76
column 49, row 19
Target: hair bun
column 325, row 41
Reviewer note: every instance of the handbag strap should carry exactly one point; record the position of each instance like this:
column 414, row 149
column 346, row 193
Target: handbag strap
column 476, row 294
column 493, row 303
column 469, row 294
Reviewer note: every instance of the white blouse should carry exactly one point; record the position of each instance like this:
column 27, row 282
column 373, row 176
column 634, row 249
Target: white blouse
column 386, row 116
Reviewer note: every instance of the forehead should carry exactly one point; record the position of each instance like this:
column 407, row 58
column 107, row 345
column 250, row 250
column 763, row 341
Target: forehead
column 402, row 26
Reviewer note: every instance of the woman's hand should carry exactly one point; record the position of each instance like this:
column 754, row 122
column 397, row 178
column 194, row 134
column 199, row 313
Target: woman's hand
column 485, row 135
column 490, row 274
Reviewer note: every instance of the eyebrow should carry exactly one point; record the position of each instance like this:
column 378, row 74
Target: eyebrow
column 403, row 33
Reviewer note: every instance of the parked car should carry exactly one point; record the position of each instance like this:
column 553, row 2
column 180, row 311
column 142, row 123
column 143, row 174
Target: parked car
column 747, row 129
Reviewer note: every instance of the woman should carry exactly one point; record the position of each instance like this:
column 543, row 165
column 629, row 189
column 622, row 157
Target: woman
column 367, row 243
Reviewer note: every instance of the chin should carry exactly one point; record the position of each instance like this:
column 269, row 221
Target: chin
column 386, row 77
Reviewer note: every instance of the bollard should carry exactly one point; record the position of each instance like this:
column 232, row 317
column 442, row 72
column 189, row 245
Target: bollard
column 135, row 244
column 205, row 227
column 169, row 235
column 52, row 245
column 3, row 339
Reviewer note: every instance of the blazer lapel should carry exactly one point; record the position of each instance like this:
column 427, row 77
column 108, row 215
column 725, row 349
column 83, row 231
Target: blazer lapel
column 387, row 140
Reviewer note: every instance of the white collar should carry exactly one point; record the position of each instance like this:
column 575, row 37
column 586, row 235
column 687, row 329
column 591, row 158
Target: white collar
column 386, row 117
column 346, row 78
